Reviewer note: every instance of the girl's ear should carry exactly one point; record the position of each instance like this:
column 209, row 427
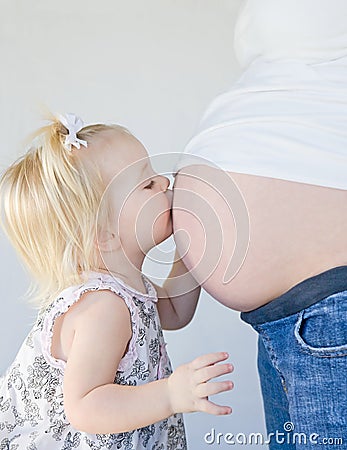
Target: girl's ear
column 107, row 241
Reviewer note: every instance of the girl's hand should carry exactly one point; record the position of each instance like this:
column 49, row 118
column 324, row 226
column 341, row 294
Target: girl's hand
column 189, row 388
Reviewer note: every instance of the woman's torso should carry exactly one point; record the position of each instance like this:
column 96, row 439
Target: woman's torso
column 296, row 231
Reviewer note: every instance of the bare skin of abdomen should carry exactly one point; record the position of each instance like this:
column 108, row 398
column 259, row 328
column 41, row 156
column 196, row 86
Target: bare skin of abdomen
column 248, row 239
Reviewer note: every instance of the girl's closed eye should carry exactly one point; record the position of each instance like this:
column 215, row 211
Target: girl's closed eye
column 150, row 185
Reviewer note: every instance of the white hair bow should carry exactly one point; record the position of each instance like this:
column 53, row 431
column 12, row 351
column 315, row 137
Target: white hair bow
column 73, row 124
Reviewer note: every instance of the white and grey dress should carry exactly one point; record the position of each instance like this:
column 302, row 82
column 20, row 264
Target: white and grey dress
column 32, row 413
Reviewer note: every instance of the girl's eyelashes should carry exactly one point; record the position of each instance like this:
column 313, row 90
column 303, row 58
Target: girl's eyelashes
column 150, row 185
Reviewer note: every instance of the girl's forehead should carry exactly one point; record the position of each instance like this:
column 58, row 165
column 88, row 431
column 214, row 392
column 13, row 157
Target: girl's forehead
column 121, row 143
column 119, row 153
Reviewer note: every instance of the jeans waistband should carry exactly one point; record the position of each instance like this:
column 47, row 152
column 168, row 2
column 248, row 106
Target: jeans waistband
column 299, row 297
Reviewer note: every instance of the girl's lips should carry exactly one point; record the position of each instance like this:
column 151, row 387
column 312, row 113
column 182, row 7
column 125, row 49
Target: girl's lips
column 169, row 194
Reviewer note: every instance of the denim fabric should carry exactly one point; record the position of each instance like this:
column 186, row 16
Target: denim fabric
column 302, row 363
column 299, row 297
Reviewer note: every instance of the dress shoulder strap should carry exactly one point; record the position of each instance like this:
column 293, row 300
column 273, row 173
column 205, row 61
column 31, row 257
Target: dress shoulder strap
column 69, row 296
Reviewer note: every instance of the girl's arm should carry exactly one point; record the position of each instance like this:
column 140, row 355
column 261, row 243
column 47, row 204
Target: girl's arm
column 178, row 297
column 94, row 404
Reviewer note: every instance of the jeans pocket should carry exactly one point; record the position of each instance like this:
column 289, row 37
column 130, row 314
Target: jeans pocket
column 321, row 329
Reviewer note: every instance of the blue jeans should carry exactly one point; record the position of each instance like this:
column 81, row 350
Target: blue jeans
column 302, row 362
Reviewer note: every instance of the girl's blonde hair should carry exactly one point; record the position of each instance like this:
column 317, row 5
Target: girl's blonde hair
column 50, row 203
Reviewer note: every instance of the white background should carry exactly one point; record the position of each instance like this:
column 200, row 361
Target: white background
column 152, row 66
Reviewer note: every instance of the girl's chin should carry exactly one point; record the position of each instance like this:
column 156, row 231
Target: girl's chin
column 168, row 232
column 166, row 235
column 163, row 228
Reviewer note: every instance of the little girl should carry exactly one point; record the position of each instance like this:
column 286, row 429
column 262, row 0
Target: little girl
column 83, row 207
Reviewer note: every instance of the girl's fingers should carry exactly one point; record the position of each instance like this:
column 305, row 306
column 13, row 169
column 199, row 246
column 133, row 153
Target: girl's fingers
column 209, row 372
column 212, row 408
column 207, row 389
column 208, row 360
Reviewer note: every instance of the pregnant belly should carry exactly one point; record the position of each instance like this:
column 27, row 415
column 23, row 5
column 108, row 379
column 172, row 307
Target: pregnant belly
column 248, row 239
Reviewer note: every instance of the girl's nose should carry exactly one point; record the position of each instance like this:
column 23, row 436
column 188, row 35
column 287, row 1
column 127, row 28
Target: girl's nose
column 164, row 182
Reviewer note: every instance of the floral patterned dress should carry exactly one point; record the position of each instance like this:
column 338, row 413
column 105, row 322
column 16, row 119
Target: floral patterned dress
column 31, row 395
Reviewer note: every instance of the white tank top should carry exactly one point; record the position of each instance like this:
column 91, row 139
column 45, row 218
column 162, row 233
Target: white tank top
column 286, row 116
column 32, row 413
